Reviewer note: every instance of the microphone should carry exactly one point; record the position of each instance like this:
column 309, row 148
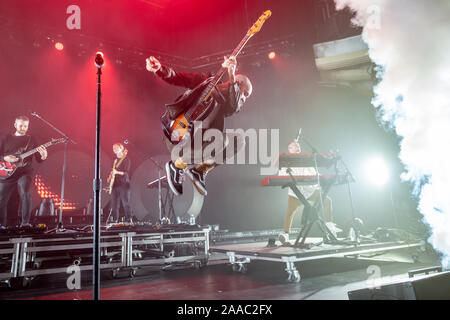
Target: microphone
column 126, row 141
column 99, row 61
column 299, row 134
column 34, row 114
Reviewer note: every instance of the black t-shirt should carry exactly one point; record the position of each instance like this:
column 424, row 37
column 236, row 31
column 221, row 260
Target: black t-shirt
column 11, row 144
column 125, row 168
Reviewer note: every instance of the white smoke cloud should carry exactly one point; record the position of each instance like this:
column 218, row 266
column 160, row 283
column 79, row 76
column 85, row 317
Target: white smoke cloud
column 410, row 41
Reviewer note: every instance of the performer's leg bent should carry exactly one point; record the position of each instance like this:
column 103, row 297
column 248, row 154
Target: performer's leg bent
column 293, row 205
column 327, row 206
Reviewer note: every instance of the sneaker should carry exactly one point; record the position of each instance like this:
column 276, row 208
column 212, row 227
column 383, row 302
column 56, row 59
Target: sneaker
column 283, row 238
column 174, row 178
column 332, row 227
column 198, row 179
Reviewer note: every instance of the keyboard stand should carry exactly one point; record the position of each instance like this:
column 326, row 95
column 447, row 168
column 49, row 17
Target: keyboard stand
column 311, row 215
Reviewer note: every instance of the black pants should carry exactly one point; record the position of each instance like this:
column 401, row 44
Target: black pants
column 6, row 188
column 121, row 194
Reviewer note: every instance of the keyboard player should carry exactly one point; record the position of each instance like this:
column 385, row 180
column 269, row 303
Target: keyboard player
column 311, row 193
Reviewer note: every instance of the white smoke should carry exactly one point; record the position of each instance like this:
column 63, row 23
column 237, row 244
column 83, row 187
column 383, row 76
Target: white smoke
column 410, row 42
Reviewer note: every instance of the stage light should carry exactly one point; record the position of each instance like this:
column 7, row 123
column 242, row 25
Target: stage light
column 272, row 55
column 377, row 171
column 59, row 46
column 99, row 59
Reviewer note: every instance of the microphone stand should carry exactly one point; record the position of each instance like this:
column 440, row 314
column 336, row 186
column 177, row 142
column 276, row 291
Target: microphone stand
column 60, row 227
column 159, row 187
column 97, row 184
column 348, row 177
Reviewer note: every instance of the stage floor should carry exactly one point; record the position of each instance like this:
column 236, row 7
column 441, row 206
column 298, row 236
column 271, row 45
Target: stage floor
column 324, row 279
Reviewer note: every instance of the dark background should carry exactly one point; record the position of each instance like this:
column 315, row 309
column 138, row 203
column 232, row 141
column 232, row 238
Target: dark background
column 189, row 35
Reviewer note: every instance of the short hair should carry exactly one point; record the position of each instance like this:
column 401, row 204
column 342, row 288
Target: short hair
column 23, row 118
column 120, row 144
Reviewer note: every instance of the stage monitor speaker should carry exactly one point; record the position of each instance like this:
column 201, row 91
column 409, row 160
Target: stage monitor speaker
column 429, row 287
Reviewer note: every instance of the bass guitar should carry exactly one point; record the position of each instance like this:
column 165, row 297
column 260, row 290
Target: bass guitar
column 112, row 176
column 201, row 108
column 7, row 169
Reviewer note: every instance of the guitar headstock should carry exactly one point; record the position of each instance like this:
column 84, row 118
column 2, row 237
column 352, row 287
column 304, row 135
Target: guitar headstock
column 258, row 24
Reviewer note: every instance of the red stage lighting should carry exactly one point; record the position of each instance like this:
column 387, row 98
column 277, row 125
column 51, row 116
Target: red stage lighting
column 59, row 46
column 99, row 59
column 272, row 55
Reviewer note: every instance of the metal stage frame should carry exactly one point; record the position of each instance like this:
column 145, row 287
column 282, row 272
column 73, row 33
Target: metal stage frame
column 240, row 255
column 23, row 257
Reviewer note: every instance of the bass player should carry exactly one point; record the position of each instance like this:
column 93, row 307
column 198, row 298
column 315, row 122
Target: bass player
column 228, row 99
column 119, row 183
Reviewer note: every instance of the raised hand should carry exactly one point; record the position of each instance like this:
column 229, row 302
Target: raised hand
column 230, row 63
column 152, row 64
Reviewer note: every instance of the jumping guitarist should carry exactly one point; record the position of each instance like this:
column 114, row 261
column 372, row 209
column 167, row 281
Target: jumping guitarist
column 209, row 102
column 119, row 183
column 229, row 98
column 10, row 146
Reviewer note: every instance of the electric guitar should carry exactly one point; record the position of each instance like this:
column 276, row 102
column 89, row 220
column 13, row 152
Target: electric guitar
column 112, row 176
column 177, row 129
column 7, row 169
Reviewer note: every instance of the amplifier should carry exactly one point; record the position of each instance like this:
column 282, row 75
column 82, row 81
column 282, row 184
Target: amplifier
column 427, row 287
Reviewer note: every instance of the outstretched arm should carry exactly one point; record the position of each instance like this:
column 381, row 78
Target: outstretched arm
column 182, row 79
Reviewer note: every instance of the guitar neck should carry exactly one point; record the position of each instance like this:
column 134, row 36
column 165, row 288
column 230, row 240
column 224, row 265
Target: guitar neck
column 235, row 53
column 222, row 70
column 33, row 151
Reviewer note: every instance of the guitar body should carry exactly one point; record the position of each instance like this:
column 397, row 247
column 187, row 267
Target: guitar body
column 178, row 128
column 7, row 169
column 112, row 177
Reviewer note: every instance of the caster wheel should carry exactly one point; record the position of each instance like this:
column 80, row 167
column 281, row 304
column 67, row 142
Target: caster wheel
column 26, row 283
column 114, row 273
column 133, row 273
column 199, row 264
column 19, row 283
column 239, row 267
column 294, row 277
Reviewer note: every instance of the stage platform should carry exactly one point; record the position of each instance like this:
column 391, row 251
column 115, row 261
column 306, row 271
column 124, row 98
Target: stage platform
column 27, row 253
column 240, row 255
column 37, row 258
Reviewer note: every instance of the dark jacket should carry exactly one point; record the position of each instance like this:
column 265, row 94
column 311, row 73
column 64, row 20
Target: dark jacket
column 227, row 105
column 125, row 178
